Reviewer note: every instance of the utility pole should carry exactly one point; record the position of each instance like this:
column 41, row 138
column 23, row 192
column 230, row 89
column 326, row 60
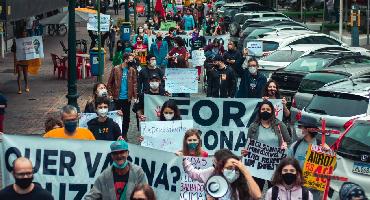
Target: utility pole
column 101, row 67
column 135, row 15
column 127, row 12
column 72, row 95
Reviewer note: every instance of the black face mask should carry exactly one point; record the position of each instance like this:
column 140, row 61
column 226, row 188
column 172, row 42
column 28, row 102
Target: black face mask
column 313, row 134
column 23, row 182
column 131, row 63
column 289, row 178
column 265, row 115
column 159, row 38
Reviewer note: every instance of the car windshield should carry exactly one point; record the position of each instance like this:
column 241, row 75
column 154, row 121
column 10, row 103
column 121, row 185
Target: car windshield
column 256, row 33
column 270, row 46
column 327, row 103
column 230, row 11
column 307, row 64
column 314, row 81
column 240, row 19
column 283, row 56
column 357, row 140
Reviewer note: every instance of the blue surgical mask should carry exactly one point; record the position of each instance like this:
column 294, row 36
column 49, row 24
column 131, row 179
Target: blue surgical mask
column 71, row 126
column 231, row 175
column 116, row 165
column 192, row 146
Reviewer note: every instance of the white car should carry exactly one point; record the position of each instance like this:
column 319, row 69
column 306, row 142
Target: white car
column 353, row 157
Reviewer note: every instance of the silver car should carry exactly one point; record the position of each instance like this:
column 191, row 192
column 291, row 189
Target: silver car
column 353, row 157
column 340, row 104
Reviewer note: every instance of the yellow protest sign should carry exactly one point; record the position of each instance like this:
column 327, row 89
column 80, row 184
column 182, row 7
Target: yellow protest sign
column 141, row 54
column 318, row 164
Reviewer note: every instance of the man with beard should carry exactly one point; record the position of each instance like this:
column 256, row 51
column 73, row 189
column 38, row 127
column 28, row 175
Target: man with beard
column 24, row 188
column 119, row 180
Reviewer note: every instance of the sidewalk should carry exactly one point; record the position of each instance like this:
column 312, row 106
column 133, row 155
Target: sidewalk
column 26, row 113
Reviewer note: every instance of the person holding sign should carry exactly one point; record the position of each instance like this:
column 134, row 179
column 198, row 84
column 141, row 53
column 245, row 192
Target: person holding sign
column 119, row 180
column 252, row 81
column 272, row 91
column 268, row 130
column 103, row 127
column 179, row 50
column 288, row 182
column 192, row 144
column 221, row 80
column 169, row 111
column 147, row 73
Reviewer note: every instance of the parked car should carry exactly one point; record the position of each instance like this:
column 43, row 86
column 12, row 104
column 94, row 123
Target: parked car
column 322, row 78
column 339, row 104
column 353, row 157
column 241, row 18
column 282, row 57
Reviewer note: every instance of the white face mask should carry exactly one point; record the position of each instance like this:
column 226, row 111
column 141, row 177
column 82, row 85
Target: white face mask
column 153, row 63
column 141, row 30
column 168, row 117
column 252, row 70
column 154, row 85
column 102, row 93
column 231, row 175
column 102, row 112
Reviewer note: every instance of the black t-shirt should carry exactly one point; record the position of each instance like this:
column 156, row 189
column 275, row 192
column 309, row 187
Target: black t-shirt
column 120, row 181
column 198, row 43
column 38, row 193
column 108, row 130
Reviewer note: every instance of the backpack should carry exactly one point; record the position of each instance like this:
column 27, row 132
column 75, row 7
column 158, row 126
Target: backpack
column 295, row 146
column 275, row 193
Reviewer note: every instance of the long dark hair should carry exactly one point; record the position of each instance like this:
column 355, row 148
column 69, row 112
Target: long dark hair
column 272, row 119
column 172, row 105
column 240, row 185
column 266, row 90
column 277, row 178
column 95, row 88
column 148, row 191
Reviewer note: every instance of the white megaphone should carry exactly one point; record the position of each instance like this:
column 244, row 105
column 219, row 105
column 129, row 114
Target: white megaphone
column 217, row 186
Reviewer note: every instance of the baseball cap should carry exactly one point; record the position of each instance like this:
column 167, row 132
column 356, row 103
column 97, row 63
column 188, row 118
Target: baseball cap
column 154, row 76
column 119, row 145
column 308, row 122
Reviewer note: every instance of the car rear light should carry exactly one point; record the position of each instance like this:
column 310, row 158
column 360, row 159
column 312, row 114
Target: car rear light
column 349, row 123
column 298, row 116
column 294, row 104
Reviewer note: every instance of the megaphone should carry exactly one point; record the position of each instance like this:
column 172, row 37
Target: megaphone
column 217, row 186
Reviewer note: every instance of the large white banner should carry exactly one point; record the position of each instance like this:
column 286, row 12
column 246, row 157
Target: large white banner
column 29, row 48
column 86, row 117
column 187, row 38
column 262, row 159
column 69, row 168
column 92, row 23
column 190, row 189
column 181, row 80
column 223, row 122
column 164, row 135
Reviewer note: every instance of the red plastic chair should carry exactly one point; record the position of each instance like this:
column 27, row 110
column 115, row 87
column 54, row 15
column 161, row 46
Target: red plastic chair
column 59, row 65
column 79, row 67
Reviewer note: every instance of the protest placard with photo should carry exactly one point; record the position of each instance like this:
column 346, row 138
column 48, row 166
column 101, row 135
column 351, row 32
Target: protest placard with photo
column 320, row 162
column 69, row 168
column 141, row 54
column 164, row 135
column 181, row 80
column 223, row 122
column 86, row 117
column 262, row 159
column 92, row 23
column 29, row 48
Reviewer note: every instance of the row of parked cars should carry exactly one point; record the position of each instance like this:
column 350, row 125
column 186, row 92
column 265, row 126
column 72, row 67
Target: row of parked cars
column 321, row 78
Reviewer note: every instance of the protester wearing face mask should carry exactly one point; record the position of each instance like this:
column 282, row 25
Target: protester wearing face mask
column 99, row 90
column 169, row 111
column 192, row 144
column 232, row 57
column 268, row 130
column 118, row 56
column 140, row 32
column 272, row 91
column 170, row 38
column 119, row 180
column 146, row 73
column 221, row 80
column 122, row 86
column 24, row 188
column 288, row 182
column 102, row 126
column 160, row 50
column 139, row 45
column 69, row 117
column 179, row 50
column 299, row 148
column 252, row 81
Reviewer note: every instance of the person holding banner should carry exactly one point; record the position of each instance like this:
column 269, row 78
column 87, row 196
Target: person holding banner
column 70, row 130
column 252, row 81
column 221, row 80
column 24, row 188
column 272, row 91
column 119, row 180
column 288, row 182
column 143, row 192
column 103, row 127
column 268, row 130
column 122, row 86
column 169, row 111
column 192, row 144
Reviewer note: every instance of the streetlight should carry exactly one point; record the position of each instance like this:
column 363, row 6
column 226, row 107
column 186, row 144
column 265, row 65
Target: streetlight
column 101, row 67
column 72, row 95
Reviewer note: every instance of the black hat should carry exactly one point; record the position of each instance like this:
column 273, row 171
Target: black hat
column 154, row 76
column 308, row 122
column 218, row 58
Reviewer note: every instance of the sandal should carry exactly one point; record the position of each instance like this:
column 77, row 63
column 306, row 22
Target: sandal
column 28, row 90
column 20, row 92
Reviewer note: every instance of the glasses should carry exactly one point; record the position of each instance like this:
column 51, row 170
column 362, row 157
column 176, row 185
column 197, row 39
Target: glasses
column 24, row 174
